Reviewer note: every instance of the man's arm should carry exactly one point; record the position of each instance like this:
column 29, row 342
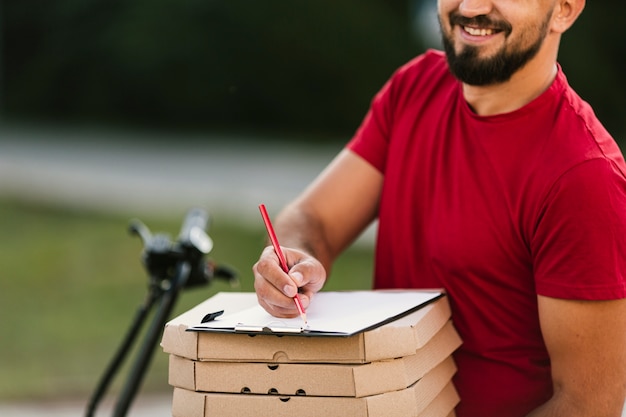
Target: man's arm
column 315, row 228
column 586, row 341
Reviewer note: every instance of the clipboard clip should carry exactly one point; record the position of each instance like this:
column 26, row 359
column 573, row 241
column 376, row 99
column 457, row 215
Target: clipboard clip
column 211, row 316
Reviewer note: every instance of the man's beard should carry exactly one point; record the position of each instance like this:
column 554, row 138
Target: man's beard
column 469, row 68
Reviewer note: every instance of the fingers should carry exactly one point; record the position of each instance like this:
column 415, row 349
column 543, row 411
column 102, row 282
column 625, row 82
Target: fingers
column 309, row 275
column 275, row 289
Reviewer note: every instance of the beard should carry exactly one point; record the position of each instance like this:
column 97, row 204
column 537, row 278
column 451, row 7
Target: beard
column 469, row 68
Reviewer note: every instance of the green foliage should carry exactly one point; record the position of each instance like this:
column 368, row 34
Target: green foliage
column 307, row 66
column 595, row 62
column 310, row 65
column 72, row 282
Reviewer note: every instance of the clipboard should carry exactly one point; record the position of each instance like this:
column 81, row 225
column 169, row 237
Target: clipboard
column 331, row 314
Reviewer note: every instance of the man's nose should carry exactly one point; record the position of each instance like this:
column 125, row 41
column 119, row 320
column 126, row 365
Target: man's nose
column 472, row 8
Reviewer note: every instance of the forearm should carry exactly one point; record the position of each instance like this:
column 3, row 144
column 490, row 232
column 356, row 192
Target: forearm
column 299, row 228
column 330, row 214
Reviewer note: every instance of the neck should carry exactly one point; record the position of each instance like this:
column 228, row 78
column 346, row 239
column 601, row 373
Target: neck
column 523, row 87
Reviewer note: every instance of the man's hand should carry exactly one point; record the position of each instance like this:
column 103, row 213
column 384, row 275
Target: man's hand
column 275, row 289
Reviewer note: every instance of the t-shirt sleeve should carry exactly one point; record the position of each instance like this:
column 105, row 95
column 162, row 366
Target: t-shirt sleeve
column 370, row 140
column 579, row 245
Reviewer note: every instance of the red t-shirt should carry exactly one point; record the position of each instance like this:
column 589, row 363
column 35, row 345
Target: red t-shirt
column 495, row 210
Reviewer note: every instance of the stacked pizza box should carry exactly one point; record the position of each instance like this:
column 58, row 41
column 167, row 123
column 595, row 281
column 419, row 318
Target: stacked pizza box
column 401, row 368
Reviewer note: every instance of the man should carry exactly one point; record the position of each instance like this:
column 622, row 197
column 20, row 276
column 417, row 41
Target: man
column 492, row 179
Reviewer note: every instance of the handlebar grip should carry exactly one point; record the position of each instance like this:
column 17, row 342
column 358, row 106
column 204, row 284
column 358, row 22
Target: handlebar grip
column 193, row 231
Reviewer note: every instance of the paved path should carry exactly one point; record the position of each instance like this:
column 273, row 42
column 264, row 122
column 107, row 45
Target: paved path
column 143, row 406
column 123, row 172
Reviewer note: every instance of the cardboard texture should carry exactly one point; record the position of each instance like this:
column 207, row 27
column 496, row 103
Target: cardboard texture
column 315, row 379
column 433, row 395
column 408, row 333
column 443, row 404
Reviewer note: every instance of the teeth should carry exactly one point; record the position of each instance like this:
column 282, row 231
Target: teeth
column 478, row 32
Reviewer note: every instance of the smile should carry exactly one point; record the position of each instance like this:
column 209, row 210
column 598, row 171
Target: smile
column 479, row 31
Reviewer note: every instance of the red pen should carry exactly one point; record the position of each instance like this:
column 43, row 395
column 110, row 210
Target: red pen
column 281, row 257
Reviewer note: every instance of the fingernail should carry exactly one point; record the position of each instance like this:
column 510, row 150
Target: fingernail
column 297, row 277
column 290, row 290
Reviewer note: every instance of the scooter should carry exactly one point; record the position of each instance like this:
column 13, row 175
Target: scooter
column 171, row 266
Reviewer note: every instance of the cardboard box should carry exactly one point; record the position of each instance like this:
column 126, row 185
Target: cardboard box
column 314, row 379
column 396, row 339
column 443, row 404
column 431, row 390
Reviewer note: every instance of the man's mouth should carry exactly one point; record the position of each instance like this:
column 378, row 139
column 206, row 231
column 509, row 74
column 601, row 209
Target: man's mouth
column 479, row 31
column 480, row 25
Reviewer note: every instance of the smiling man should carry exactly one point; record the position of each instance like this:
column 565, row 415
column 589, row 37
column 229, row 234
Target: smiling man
column 489, row 177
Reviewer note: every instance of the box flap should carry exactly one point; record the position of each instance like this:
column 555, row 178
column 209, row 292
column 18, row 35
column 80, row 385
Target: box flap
column 187, row 404
column 410, row 332
column 443, row 404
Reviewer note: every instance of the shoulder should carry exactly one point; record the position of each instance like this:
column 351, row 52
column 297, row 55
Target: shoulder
column 432, row 58
column 570, row 133
column 431, row 64
column 580, row 127
column 419, row 81
column 409, row 89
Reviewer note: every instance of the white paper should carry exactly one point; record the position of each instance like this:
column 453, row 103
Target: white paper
column 342, row 313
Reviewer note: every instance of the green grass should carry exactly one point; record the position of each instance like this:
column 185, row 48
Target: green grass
column 72, row 281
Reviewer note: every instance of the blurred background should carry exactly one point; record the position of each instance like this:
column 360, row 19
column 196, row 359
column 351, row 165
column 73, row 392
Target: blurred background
column 111, row 110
